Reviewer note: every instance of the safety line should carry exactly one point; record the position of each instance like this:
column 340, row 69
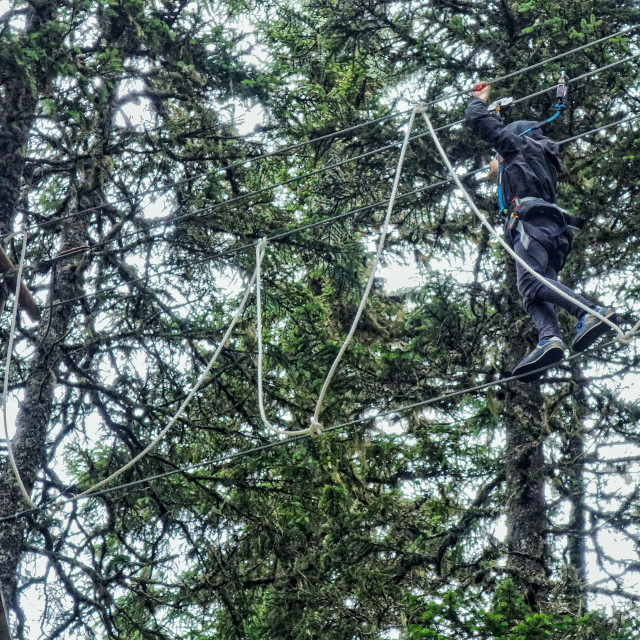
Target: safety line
column 563, row 55
column 315, row 425
column 623, row 337
column 602, row 128
column 541, row 92
column 224, row 203
column 6, row 610
column 185, row 402
column 283, row 234
column 333, row 134
column 584, row 76
column 230, row 167
column 256, row 192
column 5, row 388
column 277, row 443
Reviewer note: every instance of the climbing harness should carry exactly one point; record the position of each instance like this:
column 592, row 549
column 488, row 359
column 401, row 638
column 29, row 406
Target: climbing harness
column 553, row 211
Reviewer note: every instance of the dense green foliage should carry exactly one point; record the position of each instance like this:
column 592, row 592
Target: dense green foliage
column 505, row 513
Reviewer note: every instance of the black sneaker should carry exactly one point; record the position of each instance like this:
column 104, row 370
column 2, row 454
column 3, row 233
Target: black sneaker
column 547, row 353
column 590, row 328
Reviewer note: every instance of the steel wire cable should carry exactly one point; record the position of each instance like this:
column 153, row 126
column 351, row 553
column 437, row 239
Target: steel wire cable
column 89, row 493
column 304, row 432
column 299, row 229
column 346, row 130
column 279, row 443
column 225, row 203
column 423, row 403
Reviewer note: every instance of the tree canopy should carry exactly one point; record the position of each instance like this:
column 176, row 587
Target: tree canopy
column 147, row 146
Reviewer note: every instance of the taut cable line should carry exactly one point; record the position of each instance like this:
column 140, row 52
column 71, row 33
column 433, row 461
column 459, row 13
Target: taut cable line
column 350, row 129
column 279, row 235
column 291, row 440
column 172, row 220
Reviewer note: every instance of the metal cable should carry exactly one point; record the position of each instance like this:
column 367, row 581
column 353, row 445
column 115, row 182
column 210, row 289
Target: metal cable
column 299, row 229
column 278, row 443
column 340, row 132
column 256, row 192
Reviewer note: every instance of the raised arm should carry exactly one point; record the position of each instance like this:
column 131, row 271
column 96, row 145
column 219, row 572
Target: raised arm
column 486, row 127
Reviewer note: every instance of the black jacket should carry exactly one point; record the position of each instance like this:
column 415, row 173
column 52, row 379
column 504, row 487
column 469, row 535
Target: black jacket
column 530, row 166
column 530, row 163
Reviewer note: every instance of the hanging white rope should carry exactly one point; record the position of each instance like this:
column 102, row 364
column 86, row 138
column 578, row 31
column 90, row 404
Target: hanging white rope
column 203, row 376
column 315, row 425
column 261, row 248
column 6, row 613
column 5, row 388
column 623, row 337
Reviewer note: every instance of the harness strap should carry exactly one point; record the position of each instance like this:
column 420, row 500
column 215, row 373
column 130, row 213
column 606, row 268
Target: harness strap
column 561, row 95
column 576, row 223
column 501, row 207
column 525, row 238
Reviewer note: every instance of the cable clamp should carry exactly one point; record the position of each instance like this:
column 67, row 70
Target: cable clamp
column 316, row 428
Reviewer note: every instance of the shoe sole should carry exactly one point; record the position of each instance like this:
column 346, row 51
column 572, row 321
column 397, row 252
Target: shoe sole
column 552, row 356
column 594, row 333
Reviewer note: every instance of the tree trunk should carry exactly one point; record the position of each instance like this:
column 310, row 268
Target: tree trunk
column 573, row 470
column 22, row 86
column 29, row 443
column 524, row 468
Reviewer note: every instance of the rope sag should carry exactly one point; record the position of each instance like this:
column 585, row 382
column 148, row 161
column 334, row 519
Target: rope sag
column 315, row 425
column 203, row 376
column 5, row 389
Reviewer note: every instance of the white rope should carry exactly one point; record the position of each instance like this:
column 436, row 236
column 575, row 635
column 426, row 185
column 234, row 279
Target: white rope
column 184, row 404
column 6, row 611
column 261, row 248
column 624, row 338
column 5, row 389
column 315, row 425
column 374, row 266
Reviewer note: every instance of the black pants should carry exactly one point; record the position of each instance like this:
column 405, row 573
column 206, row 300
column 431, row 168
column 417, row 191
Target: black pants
column 539, row 301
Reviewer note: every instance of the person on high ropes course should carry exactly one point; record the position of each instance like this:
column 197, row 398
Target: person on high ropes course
column 538, row 230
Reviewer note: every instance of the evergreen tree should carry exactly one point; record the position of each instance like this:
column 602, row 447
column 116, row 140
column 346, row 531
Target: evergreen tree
column 491, row 513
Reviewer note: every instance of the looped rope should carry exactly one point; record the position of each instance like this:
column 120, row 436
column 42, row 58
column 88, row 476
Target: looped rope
column 627, row 338
column 260, row 251
column 316, row 428
column 5, row 389
column 203, row 376
column 623, row 337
